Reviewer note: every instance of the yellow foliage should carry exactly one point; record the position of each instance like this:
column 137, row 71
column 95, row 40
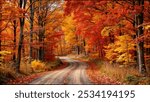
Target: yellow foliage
column 68, row 27
column 124, row 44
column 4, row 53
column 119, row 51
column 106, row 31
column 147, row 27
column 96, row 18
column 38, row 65
column 110, row 53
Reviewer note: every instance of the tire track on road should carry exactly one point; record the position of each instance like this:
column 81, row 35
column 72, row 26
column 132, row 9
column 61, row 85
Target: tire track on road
column 75, row 73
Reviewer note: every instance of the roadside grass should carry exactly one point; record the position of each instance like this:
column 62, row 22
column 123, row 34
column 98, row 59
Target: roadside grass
column 39, row 66
column 116, row 72
column 123, row 74
column 8, row 74
column 119, row 73
column 96, row 77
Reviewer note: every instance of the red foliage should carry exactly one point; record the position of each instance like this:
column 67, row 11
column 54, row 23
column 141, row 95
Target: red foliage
column 94, row 74
column 26, row 79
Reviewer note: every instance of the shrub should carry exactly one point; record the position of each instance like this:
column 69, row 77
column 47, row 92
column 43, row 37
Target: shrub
column 58, row 62
column 54, row 64
column 6, row 74
column 137, row 80
column 38, row 66
column 144, row 81
column 132, row 79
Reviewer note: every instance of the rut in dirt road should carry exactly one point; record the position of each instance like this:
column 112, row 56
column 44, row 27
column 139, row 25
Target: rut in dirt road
column 75, row 73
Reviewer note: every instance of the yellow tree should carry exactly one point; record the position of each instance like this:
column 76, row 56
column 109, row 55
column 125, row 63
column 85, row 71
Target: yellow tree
column 68, row 27
column 124, row 49
column 121, row 50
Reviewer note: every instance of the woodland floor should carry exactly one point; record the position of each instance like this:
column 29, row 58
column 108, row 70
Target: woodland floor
column 77, row 70
column 29, row 78
column 97, row 78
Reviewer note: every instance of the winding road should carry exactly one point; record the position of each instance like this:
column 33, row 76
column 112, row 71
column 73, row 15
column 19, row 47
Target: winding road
column 74, row 74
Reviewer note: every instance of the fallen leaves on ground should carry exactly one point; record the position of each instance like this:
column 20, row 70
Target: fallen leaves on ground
column 95, row 76
column 27, row 79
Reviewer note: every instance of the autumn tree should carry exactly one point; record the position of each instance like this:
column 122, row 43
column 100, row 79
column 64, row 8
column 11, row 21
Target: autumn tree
column 6, row 16
column 71, row 38
column 32, row 11
column 22, row 5
column 14, row 24
column 0, row 22
column 4, row 19
column 43, row 11
column 120, row 19
column 137, row 8
column 140, row 45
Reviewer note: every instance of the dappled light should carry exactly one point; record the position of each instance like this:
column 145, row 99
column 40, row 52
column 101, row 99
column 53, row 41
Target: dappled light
column 75, row 42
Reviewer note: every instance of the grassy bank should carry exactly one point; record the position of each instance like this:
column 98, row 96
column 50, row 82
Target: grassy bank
column 8, row 75
column 120, row 73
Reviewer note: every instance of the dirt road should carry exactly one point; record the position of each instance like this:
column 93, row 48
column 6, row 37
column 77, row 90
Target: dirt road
column 75, row 73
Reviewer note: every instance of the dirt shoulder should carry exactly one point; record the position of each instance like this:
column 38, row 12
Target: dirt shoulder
column 96, row 77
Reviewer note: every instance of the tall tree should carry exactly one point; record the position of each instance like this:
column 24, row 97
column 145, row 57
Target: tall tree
column 0, row 23
column 14, row 40
column 140, row 44
column 42, row 12
column 31, row 27
column 22, row 5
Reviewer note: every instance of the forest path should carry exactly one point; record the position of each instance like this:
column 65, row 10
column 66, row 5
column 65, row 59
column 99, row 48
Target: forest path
column 75, row 73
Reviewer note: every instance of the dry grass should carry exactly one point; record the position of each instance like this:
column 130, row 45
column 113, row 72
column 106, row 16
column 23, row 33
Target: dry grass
column 97, row 78
column 6, row 73
column 126, row 75
column 116, row 72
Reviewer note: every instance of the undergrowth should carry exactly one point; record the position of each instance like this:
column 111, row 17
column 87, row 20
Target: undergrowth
column 8, row 72
column 126, row 75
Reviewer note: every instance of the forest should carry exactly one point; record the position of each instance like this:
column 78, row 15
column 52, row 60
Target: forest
column 102, row 41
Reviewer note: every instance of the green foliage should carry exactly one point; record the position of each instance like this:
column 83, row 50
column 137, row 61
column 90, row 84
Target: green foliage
column 131, row 79
column 137, row 80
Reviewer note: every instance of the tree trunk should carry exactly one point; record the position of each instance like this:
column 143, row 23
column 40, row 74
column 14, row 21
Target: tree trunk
column 41, row 41
column 31, row 28
column 0, row 42
column 0, row 26
column 15, row 33
column 84, row 45
column 140, row 44
column 41, row 25
column 22, row 5
column 78, row 49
